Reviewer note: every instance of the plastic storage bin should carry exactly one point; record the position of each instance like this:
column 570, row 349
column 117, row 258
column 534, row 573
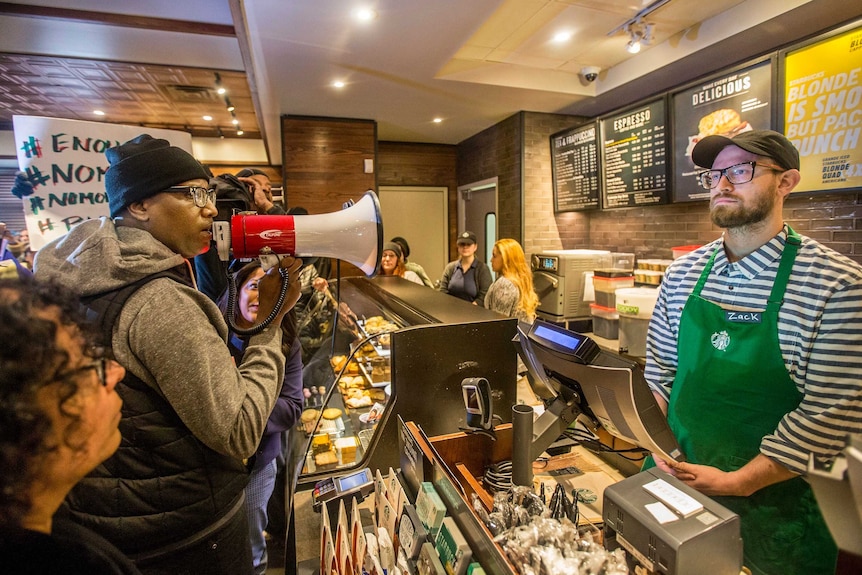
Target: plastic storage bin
column 606, row 287
column 606, row 321
column 633, row 335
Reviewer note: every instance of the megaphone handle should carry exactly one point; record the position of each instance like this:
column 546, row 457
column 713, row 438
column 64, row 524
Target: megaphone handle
column 256, row 329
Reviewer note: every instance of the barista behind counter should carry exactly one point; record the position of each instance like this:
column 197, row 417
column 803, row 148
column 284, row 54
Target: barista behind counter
column 749, row 396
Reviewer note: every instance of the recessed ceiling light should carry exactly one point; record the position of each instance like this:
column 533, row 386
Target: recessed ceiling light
column 338, row 84
column 98, row 112
column 208, row 118
column 561, row 37
column 437, row 120
column 365, row 14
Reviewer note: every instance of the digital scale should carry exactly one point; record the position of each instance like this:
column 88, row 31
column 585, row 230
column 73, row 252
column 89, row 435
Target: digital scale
column 331, row 489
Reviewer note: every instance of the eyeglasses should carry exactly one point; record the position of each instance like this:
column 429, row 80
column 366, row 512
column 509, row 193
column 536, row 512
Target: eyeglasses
column 735, row 174
column 100, row 366
column 201, row 196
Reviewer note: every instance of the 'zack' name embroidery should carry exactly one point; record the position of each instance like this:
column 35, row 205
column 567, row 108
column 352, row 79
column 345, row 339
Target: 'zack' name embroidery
column 743, row 316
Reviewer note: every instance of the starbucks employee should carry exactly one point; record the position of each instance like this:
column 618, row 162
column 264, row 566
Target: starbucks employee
column 754, row 351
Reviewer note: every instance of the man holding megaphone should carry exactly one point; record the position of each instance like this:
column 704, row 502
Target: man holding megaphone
column 171, row 498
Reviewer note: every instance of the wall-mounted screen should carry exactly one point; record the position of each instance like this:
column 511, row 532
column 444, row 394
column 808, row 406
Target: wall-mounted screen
column 575, row 167
column 726, row 104
column 823, row 111
column 634, row 157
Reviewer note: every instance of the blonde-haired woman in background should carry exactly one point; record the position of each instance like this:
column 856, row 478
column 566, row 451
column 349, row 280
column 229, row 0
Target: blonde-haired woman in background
column 512, row 293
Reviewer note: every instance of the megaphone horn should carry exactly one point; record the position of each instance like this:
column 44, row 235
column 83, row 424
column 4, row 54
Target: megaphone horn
column 353, row 235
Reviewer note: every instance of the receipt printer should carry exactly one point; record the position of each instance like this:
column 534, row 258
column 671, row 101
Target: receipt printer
column 668, row 527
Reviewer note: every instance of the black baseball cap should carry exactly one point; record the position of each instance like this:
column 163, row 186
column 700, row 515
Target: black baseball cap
column 467, row 238
column 761, row 142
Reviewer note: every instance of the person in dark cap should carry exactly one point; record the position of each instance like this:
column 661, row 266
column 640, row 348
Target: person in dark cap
column 411, row 266
column 171, row 497
column 468, row 277
column 249, row 190
column 753, row 352
column 392, row 263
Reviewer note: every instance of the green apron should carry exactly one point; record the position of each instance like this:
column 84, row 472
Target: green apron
column 731, row 389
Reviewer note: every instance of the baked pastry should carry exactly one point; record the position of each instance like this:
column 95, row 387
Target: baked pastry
column 308, row 419
column 331, row 413
column 325, row 458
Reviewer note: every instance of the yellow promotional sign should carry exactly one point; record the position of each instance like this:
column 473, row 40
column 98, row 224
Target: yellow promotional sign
column 823, row 111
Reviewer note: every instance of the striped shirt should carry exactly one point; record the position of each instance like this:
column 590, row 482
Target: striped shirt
column 819, row 331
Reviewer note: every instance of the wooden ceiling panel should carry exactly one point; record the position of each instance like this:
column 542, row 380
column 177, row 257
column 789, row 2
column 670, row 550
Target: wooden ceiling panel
column 149, row 95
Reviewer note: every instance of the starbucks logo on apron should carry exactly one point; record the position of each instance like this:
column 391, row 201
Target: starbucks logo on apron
column 720, row 340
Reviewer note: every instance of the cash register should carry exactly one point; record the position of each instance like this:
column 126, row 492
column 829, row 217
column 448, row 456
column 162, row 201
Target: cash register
column 665, row 525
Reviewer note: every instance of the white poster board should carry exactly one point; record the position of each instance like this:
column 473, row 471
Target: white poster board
column 66, row 163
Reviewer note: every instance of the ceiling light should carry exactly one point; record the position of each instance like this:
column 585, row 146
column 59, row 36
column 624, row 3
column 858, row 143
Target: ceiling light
column 98, row 112
column 239, row 132
column 208, row 118
column 219, row 88
column 338, row 84
column 437, row 120
column 365, row 14
column 639, row 34
column 235, row 122
column 561, row 37
column 230, row 107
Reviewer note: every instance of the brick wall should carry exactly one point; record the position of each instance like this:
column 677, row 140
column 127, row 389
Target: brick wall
column 496, row 152
column 834, row 219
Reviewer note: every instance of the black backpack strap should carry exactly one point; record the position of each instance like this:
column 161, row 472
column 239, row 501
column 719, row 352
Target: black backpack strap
column 102, row 310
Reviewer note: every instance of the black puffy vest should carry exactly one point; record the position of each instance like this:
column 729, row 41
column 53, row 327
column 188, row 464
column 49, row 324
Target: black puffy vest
column 162, row 485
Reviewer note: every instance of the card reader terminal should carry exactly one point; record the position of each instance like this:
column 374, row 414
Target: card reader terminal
column 331, row 489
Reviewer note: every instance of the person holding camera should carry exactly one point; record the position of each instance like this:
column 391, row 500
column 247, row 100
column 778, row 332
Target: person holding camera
column 171, row 498
column 249, row 190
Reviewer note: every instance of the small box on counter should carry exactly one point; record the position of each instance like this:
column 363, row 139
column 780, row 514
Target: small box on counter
column 411, row 533
column 453, row 549
column 430, row 508
column 429, row 562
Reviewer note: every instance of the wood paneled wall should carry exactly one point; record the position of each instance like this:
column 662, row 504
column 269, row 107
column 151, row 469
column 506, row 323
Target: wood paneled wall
column 323, row 161
column 410, row 164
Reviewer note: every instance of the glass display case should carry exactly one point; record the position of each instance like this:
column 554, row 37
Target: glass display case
column 398, row 348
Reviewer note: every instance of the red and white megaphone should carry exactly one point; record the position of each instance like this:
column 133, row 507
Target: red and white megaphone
column 354, row 235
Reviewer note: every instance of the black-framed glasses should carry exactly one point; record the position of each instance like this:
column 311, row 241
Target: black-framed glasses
column 735, row 174
column 201, row 196
column 100, row 366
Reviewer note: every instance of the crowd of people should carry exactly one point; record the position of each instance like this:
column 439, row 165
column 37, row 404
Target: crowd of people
column 145, row 402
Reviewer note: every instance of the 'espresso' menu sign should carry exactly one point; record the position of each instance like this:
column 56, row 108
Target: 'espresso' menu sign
column 575, row 166
column 725, row 105
column 634, row 148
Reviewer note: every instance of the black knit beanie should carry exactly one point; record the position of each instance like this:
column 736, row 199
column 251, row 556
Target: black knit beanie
column 144, row 167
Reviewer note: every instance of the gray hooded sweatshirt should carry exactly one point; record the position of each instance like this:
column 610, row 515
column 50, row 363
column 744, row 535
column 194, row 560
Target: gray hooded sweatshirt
column 162, row 486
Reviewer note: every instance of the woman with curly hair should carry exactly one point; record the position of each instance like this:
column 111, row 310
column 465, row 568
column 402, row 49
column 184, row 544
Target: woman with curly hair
column 512, row 293
column 59, row 416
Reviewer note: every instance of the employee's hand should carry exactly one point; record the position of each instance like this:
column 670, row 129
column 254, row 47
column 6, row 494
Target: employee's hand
column 706, row 479
column 270, row 287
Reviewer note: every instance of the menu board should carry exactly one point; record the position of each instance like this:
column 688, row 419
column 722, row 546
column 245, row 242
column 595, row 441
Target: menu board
column 634, row 146
column 575, row 167
column 822, row 105
column 726, row 104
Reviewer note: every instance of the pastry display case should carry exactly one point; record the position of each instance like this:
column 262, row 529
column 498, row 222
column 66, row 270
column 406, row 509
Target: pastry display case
column 399, row 348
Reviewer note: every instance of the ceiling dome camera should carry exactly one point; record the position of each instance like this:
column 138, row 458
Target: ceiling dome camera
column 590, row 73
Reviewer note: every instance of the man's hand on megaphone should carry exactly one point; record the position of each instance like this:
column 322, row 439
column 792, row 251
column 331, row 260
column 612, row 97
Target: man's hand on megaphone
column 269, row 288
